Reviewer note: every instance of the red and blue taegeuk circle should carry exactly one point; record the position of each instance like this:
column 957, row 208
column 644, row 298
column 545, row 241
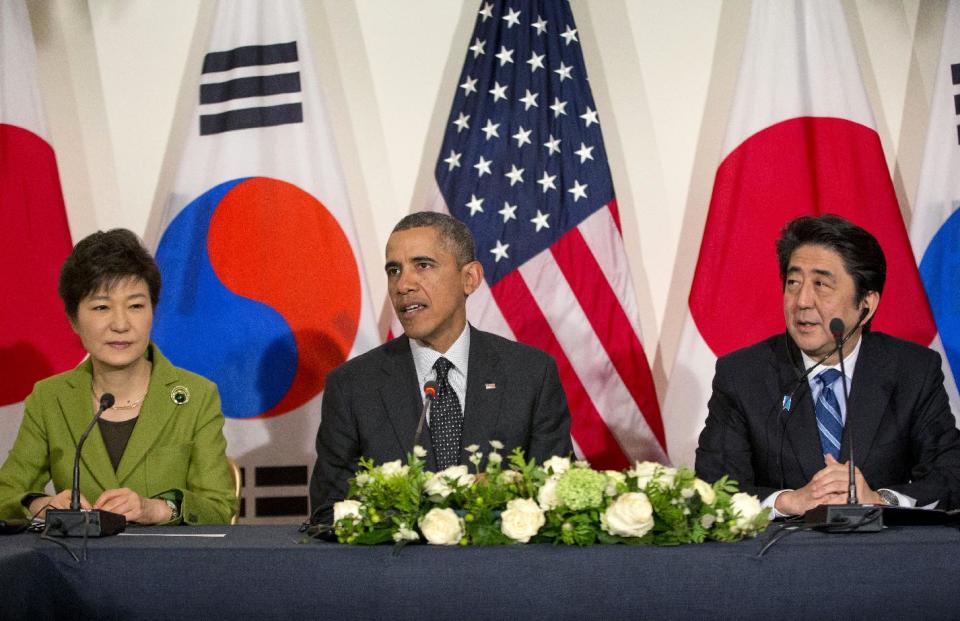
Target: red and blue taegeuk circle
column 261, row 294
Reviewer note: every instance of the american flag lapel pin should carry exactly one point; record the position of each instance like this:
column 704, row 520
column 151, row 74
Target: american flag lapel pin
column 490, row 386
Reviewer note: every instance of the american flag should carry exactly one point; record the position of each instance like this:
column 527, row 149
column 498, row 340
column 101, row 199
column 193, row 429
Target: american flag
column 524, row 166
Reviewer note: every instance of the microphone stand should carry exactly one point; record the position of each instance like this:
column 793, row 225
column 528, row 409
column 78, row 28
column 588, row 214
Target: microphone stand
column 77, row 522
column 852, row 516
column 851, row 472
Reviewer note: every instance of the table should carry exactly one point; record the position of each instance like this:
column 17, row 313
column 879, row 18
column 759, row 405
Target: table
column 264, row 572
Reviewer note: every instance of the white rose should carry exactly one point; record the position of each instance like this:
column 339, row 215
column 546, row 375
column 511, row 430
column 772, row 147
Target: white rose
column 687, row 493
column 557, row 465
column 497, row 444
column 613, row 479
column 437, row 486
column 473, row 448
column 346, row 508
column 522, row 519
column 708, row 520
column 458, row 474
column 747, row 508
column 547, row 496
column 442, row 527
column 404, row 533
column 582, row 463
column 419, row 451
column 393, row 469
column 707, row 495
column 630, row 515
column 362, row 479
column 494, row 458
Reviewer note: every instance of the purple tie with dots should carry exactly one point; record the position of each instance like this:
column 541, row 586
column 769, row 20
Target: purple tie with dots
column 446, row 418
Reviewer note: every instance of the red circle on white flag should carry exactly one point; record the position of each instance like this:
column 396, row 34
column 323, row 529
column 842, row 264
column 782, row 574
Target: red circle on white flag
column 803, row 166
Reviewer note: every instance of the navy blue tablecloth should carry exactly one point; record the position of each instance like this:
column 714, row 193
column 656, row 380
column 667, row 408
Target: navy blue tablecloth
column 266, row 572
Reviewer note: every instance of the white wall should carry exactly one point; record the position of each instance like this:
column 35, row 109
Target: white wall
column 662, row 72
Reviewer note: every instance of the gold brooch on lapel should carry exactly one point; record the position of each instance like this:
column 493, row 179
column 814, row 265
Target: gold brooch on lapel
column 180, row 395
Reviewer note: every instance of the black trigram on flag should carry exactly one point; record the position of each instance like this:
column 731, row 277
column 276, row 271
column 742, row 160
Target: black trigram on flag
column 255, row 72
column 955, row 74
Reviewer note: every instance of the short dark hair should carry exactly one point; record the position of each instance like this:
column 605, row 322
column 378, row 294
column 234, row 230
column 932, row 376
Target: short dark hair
column 101, row 260
column 860, row 251
column 453, row 233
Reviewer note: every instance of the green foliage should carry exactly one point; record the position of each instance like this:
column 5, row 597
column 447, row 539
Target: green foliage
column 665, row 506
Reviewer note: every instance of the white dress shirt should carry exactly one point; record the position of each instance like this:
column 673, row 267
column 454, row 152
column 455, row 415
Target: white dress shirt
column 459, row 353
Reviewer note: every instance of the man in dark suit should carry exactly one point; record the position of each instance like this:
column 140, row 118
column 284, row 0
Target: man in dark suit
column 783, row 434
column 489, row 388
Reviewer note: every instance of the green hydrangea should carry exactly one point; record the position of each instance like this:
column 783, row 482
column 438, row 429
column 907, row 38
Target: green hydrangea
column 581, row 488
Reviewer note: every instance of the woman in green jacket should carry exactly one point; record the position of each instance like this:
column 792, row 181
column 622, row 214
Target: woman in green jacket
column 158, row 455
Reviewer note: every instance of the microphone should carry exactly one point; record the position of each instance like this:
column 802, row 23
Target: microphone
column 429, row 394
column 851, row 517
column 75, row 522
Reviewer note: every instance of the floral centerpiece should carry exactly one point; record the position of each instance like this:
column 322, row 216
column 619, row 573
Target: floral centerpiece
column 515, row 500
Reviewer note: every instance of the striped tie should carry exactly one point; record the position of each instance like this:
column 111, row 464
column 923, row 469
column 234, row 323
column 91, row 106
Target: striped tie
column 829, row 421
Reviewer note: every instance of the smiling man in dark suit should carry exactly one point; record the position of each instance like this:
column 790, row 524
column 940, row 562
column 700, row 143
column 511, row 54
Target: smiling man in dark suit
column 489, row 388
column 785, row 437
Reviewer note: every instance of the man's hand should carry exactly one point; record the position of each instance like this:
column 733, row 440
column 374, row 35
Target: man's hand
column 133, row 506
column 827, row 487
column 865, row 494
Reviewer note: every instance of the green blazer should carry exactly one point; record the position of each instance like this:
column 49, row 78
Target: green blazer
column 175, row 448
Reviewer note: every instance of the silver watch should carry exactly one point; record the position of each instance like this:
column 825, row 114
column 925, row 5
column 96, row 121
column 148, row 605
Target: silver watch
column 174, row 509
column 888, row 497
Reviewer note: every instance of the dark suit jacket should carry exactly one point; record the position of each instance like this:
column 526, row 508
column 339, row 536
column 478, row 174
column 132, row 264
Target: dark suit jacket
column 371, row 406
column 905, row 437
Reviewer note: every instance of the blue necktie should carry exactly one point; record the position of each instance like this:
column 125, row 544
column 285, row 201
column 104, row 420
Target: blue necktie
column 446, row 419
column 829, row 421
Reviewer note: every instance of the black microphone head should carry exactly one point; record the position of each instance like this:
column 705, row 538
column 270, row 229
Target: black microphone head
column 430, row 389
column 836, row 328
column 106, row 401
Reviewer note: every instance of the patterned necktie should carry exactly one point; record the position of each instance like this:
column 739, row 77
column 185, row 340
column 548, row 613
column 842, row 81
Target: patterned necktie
column 829, row 421
column 446, row 418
